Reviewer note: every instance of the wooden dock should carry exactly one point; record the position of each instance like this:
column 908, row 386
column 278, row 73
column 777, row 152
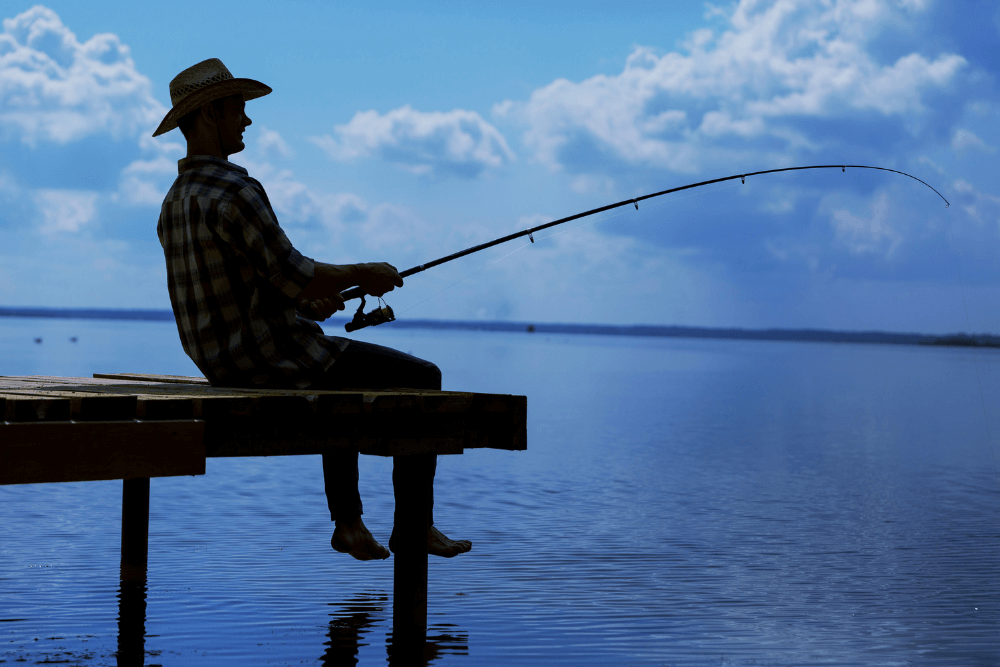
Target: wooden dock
column 135, row 427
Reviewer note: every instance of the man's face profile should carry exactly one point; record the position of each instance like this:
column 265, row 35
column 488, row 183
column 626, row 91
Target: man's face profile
column 231, row 122
column 216, row 128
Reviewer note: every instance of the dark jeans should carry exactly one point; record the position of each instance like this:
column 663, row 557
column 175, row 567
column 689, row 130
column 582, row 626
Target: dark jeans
column 368, row 366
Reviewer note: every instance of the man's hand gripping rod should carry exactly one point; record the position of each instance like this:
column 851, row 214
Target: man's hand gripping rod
column 384, row 314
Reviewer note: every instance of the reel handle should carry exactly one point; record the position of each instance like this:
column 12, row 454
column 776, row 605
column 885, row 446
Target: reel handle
column 352, row 293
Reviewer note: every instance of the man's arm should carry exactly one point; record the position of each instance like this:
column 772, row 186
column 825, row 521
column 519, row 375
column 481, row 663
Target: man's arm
column 329, row 280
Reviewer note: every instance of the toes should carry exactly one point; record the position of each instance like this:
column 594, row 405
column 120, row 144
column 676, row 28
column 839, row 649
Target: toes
column 438, row 544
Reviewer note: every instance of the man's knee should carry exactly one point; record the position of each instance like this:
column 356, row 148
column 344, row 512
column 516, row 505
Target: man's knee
column 432, row 374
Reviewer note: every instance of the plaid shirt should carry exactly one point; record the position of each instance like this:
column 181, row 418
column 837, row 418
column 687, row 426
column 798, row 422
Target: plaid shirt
column 234, row 279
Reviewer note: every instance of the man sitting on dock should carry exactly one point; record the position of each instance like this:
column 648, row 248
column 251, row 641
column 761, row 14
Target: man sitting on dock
column 246, row 302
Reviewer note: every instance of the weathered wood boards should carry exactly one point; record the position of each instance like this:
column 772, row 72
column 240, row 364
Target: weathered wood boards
column 68, row 435
column 66, row 451
column 272, row 422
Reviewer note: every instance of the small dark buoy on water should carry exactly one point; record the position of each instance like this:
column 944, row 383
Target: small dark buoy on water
column 531, row 328
column 38, row 339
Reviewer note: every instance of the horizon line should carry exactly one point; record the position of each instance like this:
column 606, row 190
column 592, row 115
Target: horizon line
column 654, row 330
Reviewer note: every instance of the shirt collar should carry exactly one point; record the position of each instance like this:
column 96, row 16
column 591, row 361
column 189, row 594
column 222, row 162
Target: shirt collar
column 198, row 161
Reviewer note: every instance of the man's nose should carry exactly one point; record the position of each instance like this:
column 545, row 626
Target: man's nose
column 247, row 121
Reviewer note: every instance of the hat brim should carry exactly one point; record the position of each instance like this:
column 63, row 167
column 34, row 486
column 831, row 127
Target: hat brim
column 249, row 88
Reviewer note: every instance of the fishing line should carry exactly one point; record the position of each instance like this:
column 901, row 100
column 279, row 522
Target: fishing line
column 499, row 259
column 357, row 292
column 463, row 279
column 660, row 204
column 975, row 359
column 612, row 216
column 385, row 314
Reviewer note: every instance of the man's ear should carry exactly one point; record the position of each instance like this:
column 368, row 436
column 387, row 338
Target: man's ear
column 209, row 113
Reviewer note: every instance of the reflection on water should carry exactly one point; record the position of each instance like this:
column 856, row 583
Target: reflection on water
column 442, row 639
column 349, row 626
column 681, row 503
column 353, row 626
column 131, row 618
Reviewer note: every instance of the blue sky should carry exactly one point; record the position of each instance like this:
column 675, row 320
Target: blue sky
column 406, row 131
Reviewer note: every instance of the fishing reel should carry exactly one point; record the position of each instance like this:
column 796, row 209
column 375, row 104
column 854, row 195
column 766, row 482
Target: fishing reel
column 377, row 316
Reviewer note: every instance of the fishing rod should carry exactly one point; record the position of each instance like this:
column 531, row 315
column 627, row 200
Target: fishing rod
column 384, row 313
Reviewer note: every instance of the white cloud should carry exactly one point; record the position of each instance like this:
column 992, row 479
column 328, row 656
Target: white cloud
column 778, row 62
column 65, row 210
column 9, row 189
column 589, row 183
column 55, row 88
column 871, row 235
column 457, row 142
column 270, row 144
column 145, row 182
column 980, row 206
column 341, row 226
column 923, row 159
column 965, row 140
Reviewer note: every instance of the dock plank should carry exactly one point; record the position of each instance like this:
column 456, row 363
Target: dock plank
column 277, row 422
column 85, row 406
column 22, row 408
column 34, row 453
column 172, row 379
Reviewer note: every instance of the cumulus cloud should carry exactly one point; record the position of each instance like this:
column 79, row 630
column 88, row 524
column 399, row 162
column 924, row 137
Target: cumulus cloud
column 340, row 226
column 456, row 142
column 272, row 145
column 55, row 88
column 981, row 207
column 964, row 140
column 588, row 183
column 776, row 65
column 145, row 182
column 9, row 188
column 65, row 210
column 867, row 235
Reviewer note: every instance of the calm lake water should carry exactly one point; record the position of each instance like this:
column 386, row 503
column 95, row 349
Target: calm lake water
column 681, row 502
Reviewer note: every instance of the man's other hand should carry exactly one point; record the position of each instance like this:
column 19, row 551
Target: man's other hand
column 322, row 308
column 377, row 278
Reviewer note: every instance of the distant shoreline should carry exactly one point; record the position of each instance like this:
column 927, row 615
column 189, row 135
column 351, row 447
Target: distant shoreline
column 809, row 335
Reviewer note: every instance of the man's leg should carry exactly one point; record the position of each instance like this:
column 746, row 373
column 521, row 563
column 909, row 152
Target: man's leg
column 438, row 544
column 340, row 473
column 368, row 366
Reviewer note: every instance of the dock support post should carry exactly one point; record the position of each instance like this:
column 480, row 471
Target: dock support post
column 135, row 525
column 132, row 590
column 413, row 488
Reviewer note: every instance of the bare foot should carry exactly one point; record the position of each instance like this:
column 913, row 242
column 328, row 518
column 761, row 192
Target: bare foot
column 355, row 539
column 438, row 544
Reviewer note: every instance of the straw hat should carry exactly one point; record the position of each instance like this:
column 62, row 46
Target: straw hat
column 197, row 85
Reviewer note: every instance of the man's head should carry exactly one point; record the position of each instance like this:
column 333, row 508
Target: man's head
column 216, row 128
column 208, row 102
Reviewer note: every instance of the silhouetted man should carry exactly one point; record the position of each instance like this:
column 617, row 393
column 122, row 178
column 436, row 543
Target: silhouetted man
column 246, row 302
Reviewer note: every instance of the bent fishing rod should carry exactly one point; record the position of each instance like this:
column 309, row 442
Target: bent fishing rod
column 385, row 314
